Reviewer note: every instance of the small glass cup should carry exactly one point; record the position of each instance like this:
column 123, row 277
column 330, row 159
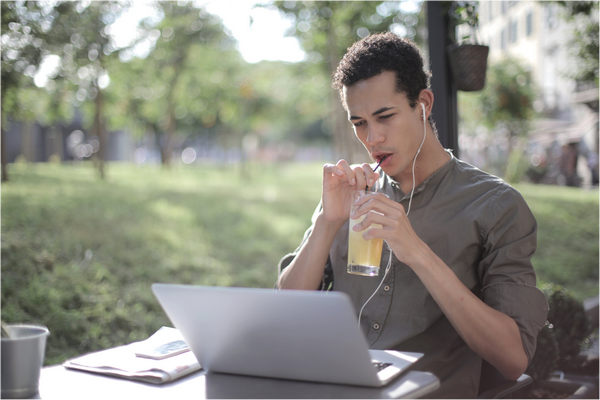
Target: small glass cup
column 364, row 256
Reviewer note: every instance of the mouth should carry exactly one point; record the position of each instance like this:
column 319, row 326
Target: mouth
column 381, row 157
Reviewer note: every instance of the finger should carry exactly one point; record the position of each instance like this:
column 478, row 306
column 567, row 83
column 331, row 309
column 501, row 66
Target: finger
column 336, row 172
column 375, row 233
column 385, row 206
column 373, row 199
column 343, row 166
column 360, row 174
column 370, row 176
column 389, row 221
column 371, row 219
column 331, row 170
column 328, row 169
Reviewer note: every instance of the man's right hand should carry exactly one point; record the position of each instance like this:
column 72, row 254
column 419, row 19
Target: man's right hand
column 339, row 182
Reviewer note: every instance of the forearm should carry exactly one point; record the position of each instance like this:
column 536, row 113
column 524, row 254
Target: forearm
column 306, row 270
column 488, row 332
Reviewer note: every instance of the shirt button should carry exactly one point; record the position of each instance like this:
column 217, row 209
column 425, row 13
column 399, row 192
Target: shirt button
column 376, row 326
column 386, row 288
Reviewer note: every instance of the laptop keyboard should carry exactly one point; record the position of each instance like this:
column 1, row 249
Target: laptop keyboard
column 380, row 365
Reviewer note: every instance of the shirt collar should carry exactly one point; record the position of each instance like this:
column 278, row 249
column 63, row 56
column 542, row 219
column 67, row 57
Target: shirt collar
column 387, row 183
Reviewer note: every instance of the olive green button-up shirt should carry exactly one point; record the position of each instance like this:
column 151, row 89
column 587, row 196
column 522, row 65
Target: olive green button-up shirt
column 484, row 231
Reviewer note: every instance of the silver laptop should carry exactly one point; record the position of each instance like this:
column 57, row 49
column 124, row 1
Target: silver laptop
column 301, row 335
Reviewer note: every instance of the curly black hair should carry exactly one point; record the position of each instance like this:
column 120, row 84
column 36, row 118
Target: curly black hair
column 384, row 52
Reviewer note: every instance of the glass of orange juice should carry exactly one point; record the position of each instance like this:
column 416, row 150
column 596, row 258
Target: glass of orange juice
column 364, row 256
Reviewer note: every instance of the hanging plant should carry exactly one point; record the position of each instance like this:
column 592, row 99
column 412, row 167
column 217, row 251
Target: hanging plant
column 468, row 58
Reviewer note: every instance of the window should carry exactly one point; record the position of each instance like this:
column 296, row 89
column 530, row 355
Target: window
column 529, row 24
column 512, row 31
column 503, row 39
column 550, row 17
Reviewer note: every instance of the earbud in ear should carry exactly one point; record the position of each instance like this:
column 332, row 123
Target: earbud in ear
column 423, row 108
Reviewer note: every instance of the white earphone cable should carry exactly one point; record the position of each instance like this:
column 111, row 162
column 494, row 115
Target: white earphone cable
column 412, row 192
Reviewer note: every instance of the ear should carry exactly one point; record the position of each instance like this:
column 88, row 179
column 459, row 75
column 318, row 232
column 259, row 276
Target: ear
column 426, row 98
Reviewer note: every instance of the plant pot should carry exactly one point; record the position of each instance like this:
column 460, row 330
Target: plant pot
column 468, row 63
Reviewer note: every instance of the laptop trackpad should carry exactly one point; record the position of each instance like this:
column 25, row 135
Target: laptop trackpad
column 391, row 363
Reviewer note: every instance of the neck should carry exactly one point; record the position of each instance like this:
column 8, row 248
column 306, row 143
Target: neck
column 432, row 157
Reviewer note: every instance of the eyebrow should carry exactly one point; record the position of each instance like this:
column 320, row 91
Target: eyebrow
column 379, row 111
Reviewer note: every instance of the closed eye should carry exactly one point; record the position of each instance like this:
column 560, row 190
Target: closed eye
column 386, row 116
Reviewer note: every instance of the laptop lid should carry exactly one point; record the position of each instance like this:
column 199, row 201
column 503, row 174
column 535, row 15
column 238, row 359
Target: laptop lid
column 303, row 335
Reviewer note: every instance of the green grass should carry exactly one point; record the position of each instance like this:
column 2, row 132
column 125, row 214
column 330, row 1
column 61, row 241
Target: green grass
column 79, row 254
column 567, row 252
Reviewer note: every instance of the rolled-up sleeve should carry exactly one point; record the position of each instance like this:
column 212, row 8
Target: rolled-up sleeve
column 327, row 279
column 506, row 273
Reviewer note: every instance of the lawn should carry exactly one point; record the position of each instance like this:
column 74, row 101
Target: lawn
column 567, row 252
column 79, row 254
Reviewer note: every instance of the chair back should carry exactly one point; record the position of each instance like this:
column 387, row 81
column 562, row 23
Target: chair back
column 492, row 385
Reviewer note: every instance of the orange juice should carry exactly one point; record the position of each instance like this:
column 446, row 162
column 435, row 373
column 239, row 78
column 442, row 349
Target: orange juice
column 364, row 256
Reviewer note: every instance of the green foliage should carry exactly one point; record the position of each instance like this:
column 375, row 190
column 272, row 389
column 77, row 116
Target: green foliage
column 567, row 237
column 571, row 327
column 545, row 359
column 192, row 82
column 564, row 336
column 507, row 99
column 184, row 74
column 503, row 108
column 583, row 17
column 79, row 37
column 326, row 29
column 464, row 13
column 516, row 165
column 79, row 255
column 23, row 39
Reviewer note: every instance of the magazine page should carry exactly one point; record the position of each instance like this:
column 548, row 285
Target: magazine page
column 163, row 357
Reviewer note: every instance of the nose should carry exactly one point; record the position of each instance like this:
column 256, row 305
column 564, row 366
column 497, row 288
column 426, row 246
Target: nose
column 375, row 136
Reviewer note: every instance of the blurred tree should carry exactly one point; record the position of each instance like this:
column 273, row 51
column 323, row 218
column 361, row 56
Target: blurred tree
column 583, row 15
column 506, row 102
column 326, row 29
column 189, row 70
column 24, row 29
column 80, row 38
column 186, row 80
column 294, row 100
column 73, row 36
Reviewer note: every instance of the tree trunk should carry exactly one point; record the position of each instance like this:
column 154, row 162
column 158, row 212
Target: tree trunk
column 3, row 155
column 165, row 150
column 3, row 123
column 100, row 133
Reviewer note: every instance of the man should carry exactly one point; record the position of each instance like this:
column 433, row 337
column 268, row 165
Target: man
column 461, row 287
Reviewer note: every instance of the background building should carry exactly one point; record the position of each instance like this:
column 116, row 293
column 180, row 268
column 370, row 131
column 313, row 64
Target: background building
column 540, row 36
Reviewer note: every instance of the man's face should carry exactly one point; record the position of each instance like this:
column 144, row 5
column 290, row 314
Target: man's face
column 384, row 122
